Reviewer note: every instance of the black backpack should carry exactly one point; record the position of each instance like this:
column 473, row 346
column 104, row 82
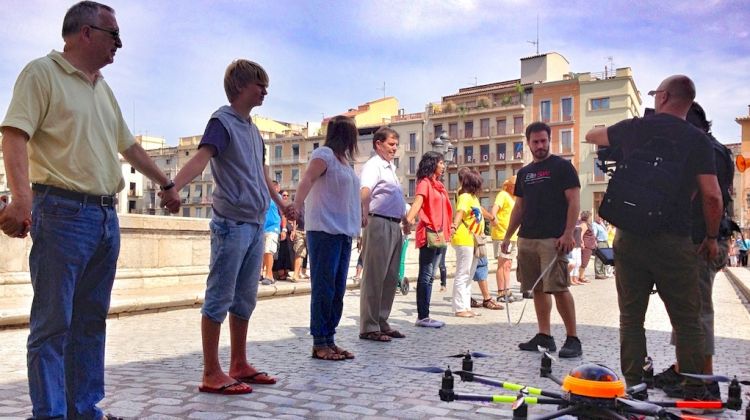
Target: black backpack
column 641, row 194
column 725, row 175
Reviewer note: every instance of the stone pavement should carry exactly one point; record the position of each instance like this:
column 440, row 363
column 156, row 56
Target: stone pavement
column 154, row 359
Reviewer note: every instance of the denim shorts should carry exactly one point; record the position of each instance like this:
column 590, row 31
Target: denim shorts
column 482, row 271
column 236, row 256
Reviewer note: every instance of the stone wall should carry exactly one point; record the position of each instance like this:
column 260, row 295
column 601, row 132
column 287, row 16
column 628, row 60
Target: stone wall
column 156, row 251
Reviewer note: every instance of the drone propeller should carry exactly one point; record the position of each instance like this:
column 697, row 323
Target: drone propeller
column 545, row 351
column 717, row 378
column 428, row 369
column 642, row 406
column 475, row 354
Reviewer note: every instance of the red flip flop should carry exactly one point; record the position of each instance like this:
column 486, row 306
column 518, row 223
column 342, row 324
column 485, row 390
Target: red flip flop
column 236, row 388
column 259, row 378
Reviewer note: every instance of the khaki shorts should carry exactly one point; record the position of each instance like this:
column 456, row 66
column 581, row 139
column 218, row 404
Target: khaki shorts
column 534, row 255
column 300, row 244
column 271, row 243
column 513, row 248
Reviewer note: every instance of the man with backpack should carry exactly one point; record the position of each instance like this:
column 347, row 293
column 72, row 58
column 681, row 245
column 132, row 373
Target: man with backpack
column 670, row 380
column 653, row 247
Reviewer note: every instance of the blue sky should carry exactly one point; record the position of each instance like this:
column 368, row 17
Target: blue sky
column 324, row 57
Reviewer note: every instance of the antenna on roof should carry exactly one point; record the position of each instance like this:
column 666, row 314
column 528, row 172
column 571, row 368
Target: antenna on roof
column 611, row 61
column 383, row 89
column 536, row 43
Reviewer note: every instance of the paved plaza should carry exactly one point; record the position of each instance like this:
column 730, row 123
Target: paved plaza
column 154, row 360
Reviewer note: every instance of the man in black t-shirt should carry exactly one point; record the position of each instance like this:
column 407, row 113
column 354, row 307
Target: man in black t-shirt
column 669, row 380
column 667, row 257
column 546, row 207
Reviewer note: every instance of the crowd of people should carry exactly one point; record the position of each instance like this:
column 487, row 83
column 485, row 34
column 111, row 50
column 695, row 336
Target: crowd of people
column 67, row 205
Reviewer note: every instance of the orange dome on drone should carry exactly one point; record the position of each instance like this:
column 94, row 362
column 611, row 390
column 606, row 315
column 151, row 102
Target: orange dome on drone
column 593, row 380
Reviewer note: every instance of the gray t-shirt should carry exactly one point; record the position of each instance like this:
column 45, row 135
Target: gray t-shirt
column 333, row 205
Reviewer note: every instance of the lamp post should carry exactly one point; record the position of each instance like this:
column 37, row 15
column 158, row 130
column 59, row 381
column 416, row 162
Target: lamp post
column 442, row 144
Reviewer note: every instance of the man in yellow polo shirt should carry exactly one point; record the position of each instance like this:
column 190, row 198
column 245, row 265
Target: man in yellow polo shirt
column 67, row 116
column 502, row 209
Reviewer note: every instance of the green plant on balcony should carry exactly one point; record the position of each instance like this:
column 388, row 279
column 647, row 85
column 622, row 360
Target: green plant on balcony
column 449, row 106
column 506, row 100
column 520, row 90
column 483, row 102
column 437, row 109
column 462, row 110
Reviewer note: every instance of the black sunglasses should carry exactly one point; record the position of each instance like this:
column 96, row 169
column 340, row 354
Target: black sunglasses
column 114, row 34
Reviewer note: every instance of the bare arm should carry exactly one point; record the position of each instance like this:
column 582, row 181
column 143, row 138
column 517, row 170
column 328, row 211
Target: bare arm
column 494, row 210
column 141, row 161
column 194, row 166
column 712, row 207
column 566, row 242
column 314, row 170
column 414, row 210
column 15, row 219
column 598, row 136
column 364, row 197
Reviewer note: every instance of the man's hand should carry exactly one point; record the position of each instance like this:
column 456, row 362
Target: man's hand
column 565, row 243
column 709, row 249
column 15, row 218
column 170, row 200
column 405, row 226
column 505, row 246
column 290, row 211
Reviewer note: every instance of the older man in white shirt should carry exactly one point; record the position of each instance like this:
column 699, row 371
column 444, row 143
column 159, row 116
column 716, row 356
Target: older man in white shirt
column 383, row 209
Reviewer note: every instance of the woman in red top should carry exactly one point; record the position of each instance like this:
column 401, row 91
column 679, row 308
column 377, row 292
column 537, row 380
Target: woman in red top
column 435, row 214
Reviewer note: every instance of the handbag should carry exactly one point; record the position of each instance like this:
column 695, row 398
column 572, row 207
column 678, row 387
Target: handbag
column 480, row 243
column 436, row 238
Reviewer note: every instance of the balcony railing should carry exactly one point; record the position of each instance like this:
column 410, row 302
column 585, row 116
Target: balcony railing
column 289, row 160
column 408, row 117
column 446, row 109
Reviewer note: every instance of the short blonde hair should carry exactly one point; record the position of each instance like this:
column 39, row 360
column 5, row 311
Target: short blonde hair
column 509, row 184
column 241, row 73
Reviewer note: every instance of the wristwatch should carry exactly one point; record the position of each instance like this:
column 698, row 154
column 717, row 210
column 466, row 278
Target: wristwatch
column 167, row 187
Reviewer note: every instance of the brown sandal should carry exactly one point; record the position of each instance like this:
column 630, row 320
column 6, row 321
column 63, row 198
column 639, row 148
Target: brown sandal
column 341, row 352
column 490, row 304
column 326, row 353
column 375, row 336
column 394, row 334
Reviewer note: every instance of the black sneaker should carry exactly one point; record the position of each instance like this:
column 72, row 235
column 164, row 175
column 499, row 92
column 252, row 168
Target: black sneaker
column 571, row 348
column 707, row 392
column 541, row 340
column 668, row 377
column 703, row 392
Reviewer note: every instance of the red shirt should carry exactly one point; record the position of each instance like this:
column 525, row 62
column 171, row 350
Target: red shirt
column 436, row 212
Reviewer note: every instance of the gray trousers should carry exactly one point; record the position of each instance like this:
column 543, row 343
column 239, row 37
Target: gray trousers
column 600, row 269
column 670, row 263
column 381, row 247
column 707, row 272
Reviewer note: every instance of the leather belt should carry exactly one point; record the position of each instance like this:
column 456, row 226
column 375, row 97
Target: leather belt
column 392, row 219
column 99, row 200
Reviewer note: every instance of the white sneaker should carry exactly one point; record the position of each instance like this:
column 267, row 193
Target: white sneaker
column 429, row 323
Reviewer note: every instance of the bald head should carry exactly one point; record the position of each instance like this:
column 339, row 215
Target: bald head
column 677, row 94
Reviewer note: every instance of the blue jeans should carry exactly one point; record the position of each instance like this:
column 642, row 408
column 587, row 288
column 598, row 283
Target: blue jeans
column 72, row 262
column 236, row 257
column 329, row 266
column 441, row 265
column 428, row 258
